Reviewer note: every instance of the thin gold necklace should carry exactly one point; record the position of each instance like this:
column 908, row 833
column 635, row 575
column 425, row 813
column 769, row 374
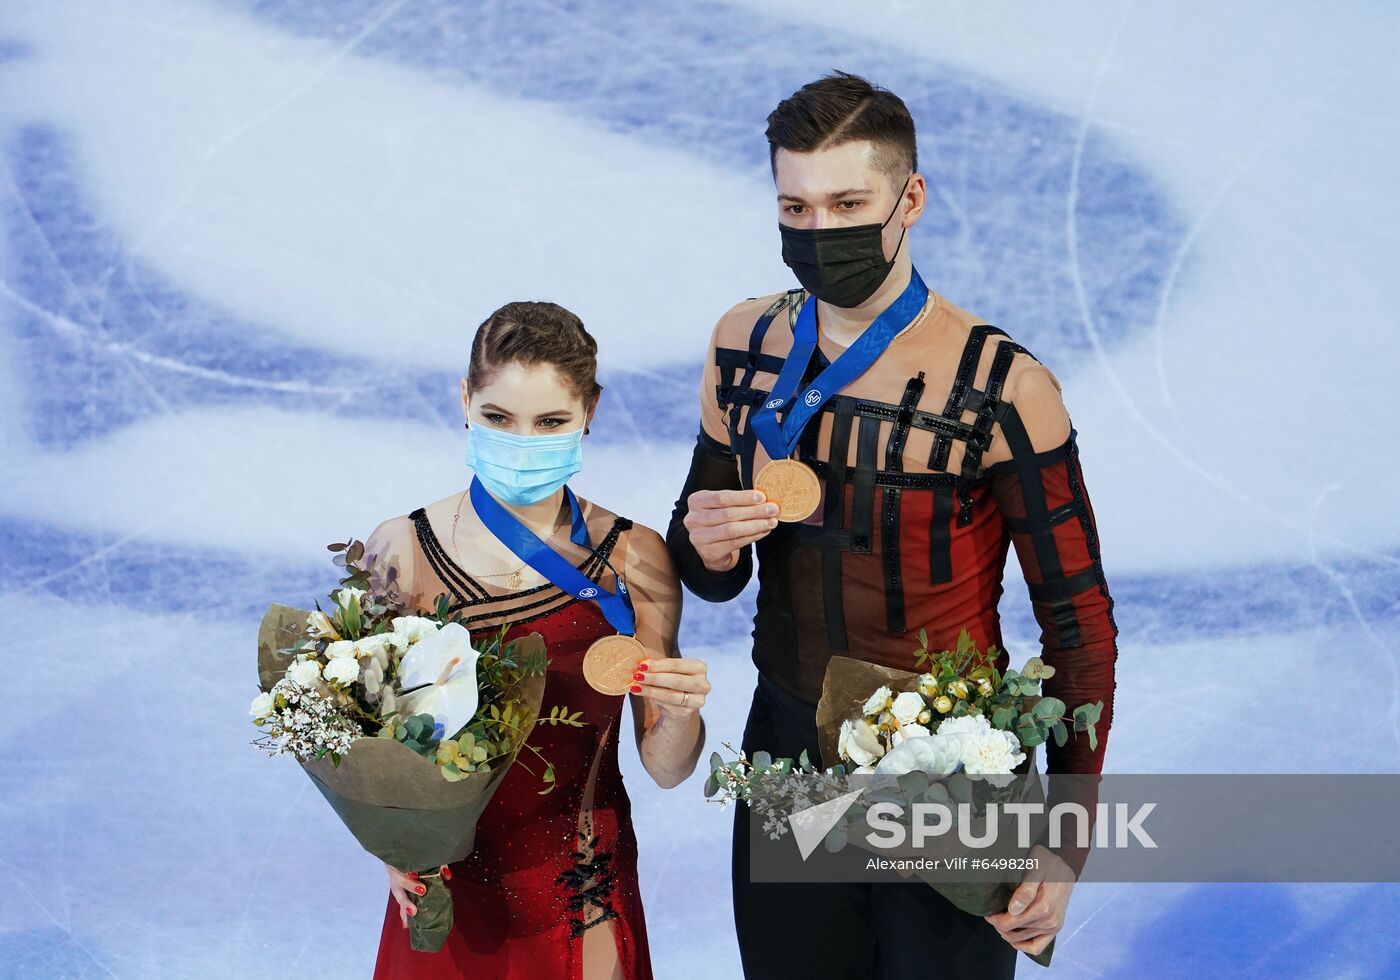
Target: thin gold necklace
column 514, row 579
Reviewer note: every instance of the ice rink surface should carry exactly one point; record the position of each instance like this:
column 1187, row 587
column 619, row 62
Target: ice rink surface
column 241, row 237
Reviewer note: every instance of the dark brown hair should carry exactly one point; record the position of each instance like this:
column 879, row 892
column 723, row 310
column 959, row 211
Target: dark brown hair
column 842, row 108
column 536, row 333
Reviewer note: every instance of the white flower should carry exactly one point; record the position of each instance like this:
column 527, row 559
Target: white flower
column 343, row 671
column 934, row 755
column 907, row 732
column 878, row 701
column 305, row 672
column 862, row 743
column 928, row 685
column 446, row 663
column 261, row 707
column 347, row 594
column 906, row 707
column 387, row 701
column 318, row 624
column 414, row 628
column 341, row 648
column 995, row 753
column 379, row 646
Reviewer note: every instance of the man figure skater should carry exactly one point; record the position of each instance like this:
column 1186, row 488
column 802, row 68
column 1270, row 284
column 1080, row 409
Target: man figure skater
column 926, row 441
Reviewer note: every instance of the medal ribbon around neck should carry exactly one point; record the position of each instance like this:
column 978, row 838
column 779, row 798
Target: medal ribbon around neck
column 780, row 437
column 527, row 546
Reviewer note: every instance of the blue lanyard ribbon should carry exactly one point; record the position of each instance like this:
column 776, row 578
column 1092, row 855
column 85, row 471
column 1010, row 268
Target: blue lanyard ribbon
column 780, row 437
column 616, row 606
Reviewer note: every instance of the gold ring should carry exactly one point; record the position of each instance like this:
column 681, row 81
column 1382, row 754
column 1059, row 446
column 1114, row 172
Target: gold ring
column 685, row 699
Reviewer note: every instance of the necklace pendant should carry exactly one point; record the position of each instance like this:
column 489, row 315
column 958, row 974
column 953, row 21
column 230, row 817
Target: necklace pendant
column 515, row 579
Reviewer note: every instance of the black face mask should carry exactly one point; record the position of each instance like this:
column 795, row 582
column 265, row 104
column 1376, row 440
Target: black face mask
column 840, row 266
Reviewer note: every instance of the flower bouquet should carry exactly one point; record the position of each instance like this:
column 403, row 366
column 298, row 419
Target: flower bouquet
column 957, row 733
column 405, row 723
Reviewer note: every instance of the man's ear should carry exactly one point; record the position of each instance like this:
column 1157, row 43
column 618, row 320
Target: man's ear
column 916, row 191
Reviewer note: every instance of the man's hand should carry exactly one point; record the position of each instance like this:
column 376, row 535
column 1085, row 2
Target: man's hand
column 721, row 522
column 1036, row 911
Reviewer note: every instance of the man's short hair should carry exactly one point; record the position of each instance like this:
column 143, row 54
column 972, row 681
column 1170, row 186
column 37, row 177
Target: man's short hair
column 842, row 108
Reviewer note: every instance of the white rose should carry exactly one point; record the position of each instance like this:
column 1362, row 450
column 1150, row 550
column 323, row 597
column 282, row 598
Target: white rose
column 341, row 648
column 863, row 744
column 261, row 707
column 908, row 732
column 304, row 672
column 878, row 701
column 414, row 628
column 906, row 707
column 343, row 671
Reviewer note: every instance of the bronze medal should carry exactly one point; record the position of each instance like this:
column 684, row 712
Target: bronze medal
column 792, row 485
column 610, row 662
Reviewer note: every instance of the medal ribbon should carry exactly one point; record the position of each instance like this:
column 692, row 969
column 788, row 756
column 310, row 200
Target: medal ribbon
column 527, row 546
column 779, row 438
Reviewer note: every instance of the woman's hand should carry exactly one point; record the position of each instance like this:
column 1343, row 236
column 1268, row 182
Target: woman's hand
column 405, row 885
column 678, row 685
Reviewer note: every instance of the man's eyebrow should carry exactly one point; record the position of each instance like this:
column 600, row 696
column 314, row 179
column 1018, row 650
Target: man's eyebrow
column 837, row 196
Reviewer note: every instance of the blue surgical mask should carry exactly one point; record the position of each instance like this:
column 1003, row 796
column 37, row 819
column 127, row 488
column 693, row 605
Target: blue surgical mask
column 523, row 469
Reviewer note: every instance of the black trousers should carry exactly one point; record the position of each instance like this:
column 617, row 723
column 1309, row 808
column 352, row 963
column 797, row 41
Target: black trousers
column 833, row 931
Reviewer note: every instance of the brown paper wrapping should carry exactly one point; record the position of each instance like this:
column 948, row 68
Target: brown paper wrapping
column 395, row 802
column 845, row 688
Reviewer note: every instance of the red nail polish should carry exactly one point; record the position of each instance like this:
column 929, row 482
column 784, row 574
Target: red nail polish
column 642, row 666
column 639, row 676
column 446, row 873
column 413, row 874
column 636, row 689
column 421, row 890
column 412, row 910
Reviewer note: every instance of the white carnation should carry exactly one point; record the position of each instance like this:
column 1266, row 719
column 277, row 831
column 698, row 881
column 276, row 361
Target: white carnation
column 878, row 701
column 995, row 753
column 305, row 672
column 343, row 670
column 906, row 707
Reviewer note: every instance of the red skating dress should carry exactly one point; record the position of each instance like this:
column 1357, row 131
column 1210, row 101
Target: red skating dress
column 546, row 869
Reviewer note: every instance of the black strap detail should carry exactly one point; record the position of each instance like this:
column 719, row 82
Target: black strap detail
column 889, row 517
column 457, row 579
column 590, row 881
column 940, row 536
column 740, row 439
column 962, row 384
column 1054, row 587
column 986, row 418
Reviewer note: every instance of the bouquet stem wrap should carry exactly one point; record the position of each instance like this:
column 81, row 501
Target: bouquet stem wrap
column 394, row 801
column 847, row 684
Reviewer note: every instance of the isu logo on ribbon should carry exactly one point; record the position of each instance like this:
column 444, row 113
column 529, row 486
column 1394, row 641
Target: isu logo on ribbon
column 813, row 397
column 587, row 593
column 774, row 403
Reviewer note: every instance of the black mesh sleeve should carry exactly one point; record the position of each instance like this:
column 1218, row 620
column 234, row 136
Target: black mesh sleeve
column 711, row 468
